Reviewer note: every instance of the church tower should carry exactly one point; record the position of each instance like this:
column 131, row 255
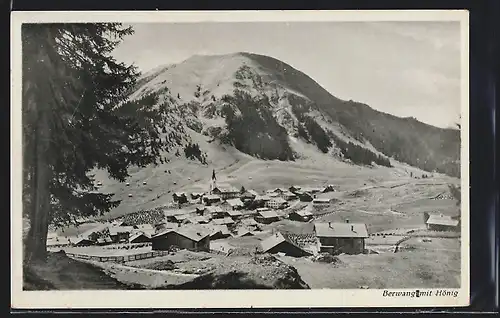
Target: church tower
column 213, row 184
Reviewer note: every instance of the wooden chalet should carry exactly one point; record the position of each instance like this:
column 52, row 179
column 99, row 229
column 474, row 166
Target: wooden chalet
column 180, row 197
column 280, row 243
column 301, row 215
column 190, row 238
column 337, row 238
column 267, row 217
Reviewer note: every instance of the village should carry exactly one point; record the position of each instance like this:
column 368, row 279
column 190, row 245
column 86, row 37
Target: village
column 242, row 222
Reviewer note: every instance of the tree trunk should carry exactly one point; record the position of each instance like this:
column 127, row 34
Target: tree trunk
column 36, row 241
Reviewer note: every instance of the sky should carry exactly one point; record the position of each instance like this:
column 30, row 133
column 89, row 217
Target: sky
column 402, row 68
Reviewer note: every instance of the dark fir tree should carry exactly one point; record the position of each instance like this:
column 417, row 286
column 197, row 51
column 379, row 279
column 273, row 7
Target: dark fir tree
column 76, row 118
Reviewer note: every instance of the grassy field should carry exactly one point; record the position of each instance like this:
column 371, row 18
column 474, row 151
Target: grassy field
column 389, row 270
column 237, row 169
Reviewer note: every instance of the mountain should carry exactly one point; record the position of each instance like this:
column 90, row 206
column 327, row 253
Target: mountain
column 269, row 110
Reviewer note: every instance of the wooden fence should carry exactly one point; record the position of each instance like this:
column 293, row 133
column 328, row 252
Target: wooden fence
column 119, row 259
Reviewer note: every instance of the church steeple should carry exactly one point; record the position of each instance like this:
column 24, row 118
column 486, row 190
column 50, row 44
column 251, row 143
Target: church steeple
column 213, row 181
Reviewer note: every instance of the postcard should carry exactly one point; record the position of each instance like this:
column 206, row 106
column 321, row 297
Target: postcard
column 239, row 159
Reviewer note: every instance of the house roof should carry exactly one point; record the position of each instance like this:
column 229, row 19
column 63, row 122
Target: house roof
column 334, row 229
column 311, row 189
column 212, row 197
column 137, row 235
column 226, row 189
column 321, row 200
column 303, row 213
column 161, row 233
column 98, row 228
column 234, row 202
column 247, row 194
column 179, row 194
column 268, row 214
column 242, row 232
column 120, row 229
column 199, row 219
column 273, row 194
column 253, row 192
column 194, row 233
column 276, row 239
column 145, row 227
column 301, row 193
column 288, row 193
column 214, row 229
column 249, row 221
column 278, row 200
column 214, row 209
column 263, row 209
column 181, row 217
column 442, row 220
column 262, row 198
column 234, row 213
column 169, row 225
column 226, row 220
column 80, row 240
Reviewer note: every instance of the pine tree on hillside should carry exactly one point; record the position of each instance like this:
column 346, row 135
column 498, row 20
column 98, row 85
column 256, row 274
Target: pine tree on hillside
column 75, row 118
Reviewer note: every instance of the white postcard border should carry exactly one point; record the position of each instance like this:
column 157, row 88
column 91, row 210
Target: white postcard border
column 226, row 298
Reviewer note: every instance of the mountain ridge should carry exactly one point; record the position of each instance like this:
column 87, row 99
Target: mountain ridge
column 238, row 98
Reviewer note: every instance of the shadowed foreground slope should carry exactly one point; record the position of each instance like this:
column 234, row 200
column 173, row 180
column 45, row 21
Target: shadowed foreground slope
column 63, row 273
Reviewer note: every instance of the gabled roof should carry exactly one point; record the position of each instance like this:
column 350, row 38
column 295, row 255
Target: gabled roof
column 311, row 189
column 234, row 213
column 322, row 200
column 278, row 200
column 276, row 239
column 303, row 213
column 161, row 233
column 214, row 209
column 288, row 193
column 263, row 209
column 120, row 229
column 179, row 194
column 226, row 220
column 332, row 229
column 273, row 195
column 212, row 197
column 301, row 193
column 442, row 220
column 199, row 219
column 243, row 232
column 248, row 194
column 234, row 202
column 137, row 235
column 268, row 214
column 96, row 229
column 195, row 233
column 262, row 198
column 249, row 221
column 80, row 240
column 253, row 192
column 214, row 229
column 145, row 227
column 181, row 217
column 226, row 189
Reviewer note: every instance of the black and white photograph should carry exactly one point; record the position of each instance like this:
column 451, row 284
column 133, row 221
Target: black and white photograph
column 194, row 153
